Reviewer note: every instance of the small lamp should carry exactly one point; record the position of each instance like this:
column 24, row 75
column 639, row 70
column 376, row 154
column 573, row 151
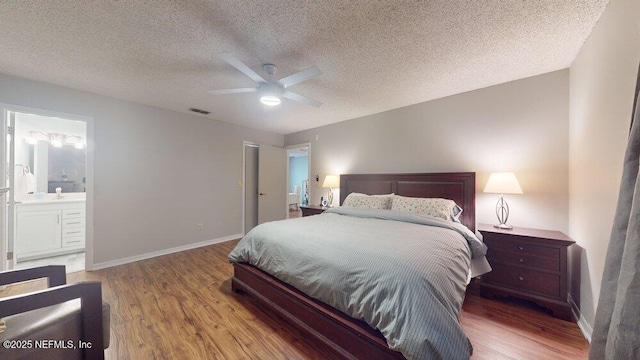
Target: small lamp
column 330, row 181
column 503, row 183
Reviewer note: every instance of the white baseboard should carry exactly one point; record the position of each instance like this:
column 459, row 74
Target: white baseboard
column 150, row 255
column 584, row 326
column 587, row 330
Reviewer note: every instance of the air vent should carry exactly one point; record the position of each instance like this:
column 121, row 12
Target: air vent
column 199, row 111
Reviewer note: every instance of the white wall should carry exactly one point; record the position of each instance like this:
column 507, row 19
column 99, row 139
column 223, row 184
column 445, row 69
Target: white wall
column 521, row 126
column 602, row 82
column 157, row 173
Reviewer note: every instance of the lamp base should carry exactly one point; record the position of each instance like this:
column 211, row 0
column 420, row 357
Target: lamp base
column 503, row 226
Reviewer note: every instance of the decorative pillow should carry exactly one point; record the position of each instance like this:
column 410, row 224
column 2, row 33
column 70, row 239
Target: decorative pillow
column 436, row 207
column 358, row 200
column 457, row 211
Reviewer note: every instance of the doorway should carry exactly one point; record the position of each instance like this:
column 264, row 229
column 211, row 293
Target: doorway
column 264, row 190
column 47, row 177
column 297, row 178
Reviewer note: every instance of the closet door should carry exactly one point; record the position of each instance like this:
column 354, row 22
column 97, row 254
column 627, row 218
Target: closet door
column 272, row 183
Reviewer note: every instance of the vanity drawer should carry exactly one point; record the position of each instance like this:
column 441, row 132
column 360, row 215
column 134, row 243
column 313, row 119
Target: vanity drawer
column 73, row 232
column 531, row 281
column 500, row 242
column 73, row 213
column 73, row 241
column 513, row 258
column 73, row 223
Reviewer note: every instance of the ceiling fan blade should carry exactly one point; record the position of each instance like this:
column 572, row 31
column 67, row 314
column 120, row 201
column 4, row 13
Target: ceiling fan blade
column 300, row 76
column 299, row 98
column 233, row 61
column 232, row 91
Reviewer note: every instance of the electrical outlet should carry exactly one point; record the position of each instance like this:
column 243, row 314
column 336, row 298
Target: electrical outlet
column 239, row 184
column 199, row 226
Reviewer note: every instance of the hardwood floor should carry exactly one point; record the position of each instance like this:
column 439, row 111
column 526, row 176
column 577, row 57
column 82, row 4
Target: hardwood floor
column 180, row 306
column 295, row 213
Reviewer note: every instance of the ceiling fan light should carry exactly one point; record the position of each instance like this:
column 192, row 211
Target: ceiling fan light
column 270, row 94
column 270, row 100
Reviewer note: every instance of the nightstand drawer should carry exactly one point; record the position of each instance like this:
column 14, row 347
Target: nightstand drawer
column 526, row 280
column 501, row 242
column 514, row 258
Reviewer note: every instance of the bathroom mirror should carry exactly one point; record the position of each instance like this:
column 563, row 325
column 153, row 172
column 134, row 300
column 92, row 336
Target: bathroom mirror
column 38, row 160
column 66, row 169
column 53, row 167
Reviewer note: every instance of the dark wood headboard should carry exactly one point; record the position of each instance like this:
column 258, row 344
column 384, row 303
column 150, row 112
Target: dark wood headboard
column 459, row 187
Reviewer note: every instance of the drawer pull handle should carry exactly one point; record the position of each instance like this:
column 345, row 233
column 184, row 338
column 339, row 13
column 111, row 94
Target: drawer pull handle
column 73, row 232
column 520, row 247
column 75, row 222
column 520, row 278
column 521, row 260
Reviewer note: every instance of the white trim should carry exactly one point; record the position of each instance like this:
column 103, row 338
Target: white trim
column 587, row 330
column 4, row 199
column 176, row 249
column 584, row 326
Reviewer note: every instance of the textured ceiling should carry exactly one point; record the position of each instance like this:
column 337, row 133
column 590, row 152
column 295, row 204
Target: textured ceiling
column 374, row 55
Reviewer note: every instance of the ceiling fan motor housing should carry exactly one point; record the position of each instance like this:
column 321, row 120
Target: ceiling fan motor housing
column 270, row 69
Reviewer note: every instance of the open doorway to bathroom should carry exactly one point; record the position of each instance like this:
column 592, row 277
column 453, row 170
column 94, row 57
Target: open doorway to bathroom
column 298, row 178
column 47, row 175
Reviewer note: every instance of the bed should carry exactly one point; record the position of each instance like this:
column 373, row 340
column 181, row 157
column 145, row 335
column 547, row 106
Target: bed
column 350, row 337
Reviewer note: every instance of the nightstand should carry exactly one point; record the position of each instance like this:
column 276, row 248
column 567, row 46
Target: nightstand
column 308, row 210
column 529, row 264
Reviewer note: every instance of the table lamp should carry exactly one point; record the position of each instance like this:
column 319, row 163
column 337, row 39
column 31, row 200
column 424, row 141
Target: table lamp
column 330, row 181
column 502, row 183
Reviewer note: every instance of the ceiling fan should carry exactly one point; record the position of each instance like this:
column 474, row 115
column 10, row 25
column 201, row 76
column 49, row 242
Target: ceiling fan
column 270, row 90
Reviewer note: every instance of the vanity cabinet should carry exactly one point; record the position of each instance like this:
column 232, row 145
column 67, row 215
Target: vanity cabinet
column 38, row 231
column 47, row 229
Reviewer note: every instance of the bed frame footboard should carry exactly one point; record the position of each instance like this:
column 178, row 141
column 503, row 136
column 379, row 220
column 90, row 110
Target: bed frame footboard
column 346, row 337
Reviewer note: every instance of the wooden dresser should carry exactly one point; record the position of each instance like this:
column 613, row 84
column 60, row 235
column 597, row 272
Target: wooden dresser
column 529, row 264
column 308, row 210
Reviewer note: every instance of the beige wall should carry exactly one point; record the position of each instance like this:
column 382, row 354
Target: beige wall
column 602, row 81
column 521, row 126
column 157, row 173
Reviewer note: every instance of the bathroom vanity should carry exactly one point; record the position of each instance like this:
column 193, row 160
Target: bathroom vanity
column 50, row 227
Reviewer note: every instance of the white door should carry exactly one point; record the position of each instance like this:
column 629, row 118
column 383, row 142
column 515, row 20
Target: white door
column 272, row 183
column 250, row 187
column 4, row 196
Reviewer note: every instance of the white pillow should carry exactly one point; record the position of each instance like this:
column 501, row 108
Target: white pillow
column 444, row 209
column 358, row 200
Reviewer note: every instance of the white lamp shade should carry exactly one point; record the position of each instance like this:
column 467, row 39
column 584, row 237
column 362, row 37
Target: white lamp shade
column 503, row 183
column 331, row 181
